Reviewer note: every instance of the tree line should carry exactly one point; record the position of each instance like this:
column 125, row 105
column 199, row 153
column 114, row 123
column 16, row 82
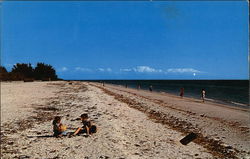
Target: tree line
column 23, row 71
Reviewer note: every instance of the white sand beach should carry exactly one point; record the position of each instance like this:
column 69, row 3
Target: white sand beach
column 131, row 123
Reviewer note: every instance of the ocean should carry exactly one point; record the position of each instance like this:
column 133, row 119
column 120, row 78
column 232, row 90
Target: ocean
column 231, row 92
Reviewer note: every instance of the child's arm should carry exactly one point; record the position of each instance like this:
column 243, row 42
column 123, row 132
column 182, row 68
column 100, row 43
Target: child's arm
column 60, row 127
column 87, row 129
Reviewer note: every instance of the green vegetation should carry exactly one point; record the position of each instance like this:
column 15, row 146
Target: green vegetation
column 25, row 72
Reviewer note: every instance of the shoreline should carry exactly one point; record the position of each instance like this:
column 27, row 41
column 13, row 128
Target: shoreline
column 191, row 93
column 177, row 98
column 207, row 100
column 233, row 104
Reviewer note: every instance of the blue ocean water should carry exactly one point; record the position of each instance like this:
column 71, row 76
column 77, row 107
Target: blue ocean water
column 232, row 92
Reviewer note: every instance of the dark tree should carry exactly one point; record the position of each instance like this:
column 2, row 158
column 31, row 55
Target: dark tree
column 43, row 71
column 3, row 74
column 21, row 71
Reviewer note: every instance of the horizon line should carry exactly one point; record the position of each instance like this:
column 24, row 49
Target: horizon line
column 151, row 79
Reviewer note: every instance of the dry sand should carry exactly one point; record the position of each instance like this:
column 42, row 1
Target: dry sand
column 131, row 123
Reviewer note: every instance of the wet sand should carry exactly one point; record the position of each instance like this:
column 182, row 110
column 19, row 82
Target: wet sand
column 131, row 123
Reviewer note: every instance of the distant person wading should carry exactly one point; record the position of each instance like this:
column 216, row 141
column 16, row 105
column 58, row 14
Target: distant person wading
column 138, row 87
column 203, row 94
column 182, row 92
column 151, row 88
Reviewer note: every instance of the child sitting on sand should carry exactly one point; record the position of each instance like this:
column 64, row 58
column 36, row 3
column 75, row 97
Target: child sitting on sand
column 87, row 127
column 58, row 128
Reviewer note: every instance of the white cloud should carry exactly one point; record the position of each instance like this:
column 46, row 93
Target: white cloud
column 101, row 69
column 63, row 69
column 147, row 69
column 126, row 70
column 142, row 69
column 93, row 70
column 182, row 70
column 109, row 69
column 104, row 69
column 83, row 69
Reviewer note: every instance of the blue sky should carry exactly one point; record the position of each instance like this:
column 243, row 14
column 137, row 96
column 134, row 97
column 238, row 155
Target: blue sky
column 129, row 40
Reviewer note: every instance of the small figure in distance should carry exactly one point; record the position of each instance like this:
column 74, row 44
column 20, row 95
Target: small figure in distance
column 182, row 92
column 103, row 84
column 203, row 94
column 87, row 127
column 126, row 85
column 138, row 87
column 150, row 88
column 58, row 128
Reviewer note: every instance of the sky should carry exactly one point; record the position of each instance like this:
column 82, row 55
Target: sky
column 128, row 40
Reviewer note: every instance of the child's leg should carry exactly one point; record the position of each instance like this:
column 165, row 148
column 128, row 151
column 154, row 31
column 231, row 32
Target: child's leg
column 77, row 131
column 64, row 133
column 56, row 133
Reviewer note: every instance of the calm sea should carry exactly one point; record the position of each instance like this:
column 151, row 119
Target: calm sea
column 232, row 92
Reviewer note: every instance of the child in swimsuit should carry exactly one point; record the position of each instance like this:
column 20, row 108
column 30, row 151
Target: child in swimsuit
column 87, row 127
column 58, row 128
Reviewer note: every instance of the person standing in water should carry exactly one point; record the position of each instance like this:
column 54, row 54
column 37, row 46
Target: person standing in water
column 203, row 94
column 182, row 92
column 138, row 87
column 150, row 88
